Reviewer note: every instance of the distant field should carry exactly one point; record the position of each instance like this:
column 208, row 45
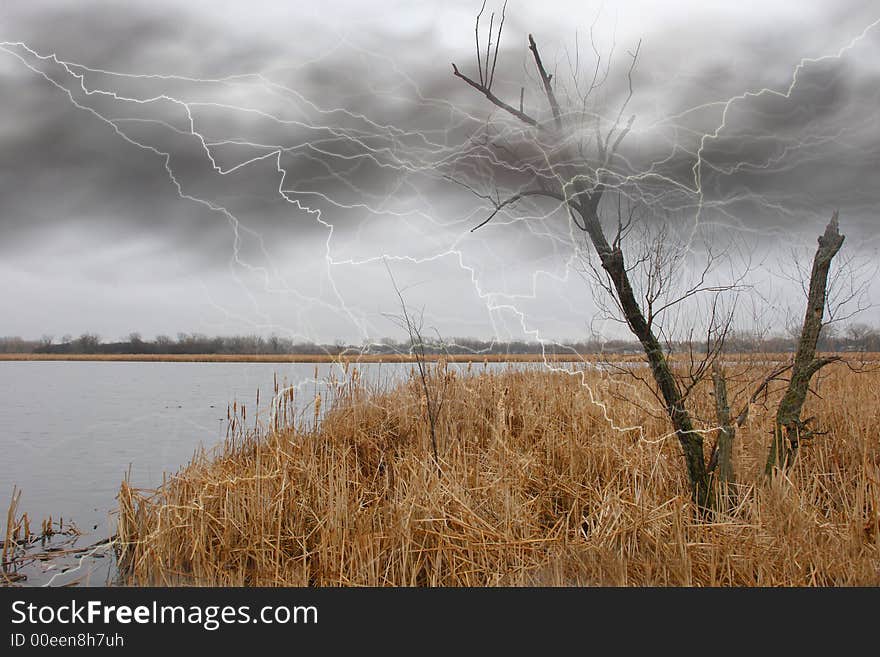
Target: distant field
column 383, row 358
column 311, row 358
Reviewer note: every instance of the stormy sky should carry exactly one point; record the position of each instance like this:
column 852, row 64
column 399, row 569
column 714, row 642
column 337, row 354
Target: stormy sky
column 256, row 167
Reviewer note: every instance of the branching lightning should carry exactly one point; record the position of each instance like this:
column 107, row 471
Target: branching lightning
column 435, row 157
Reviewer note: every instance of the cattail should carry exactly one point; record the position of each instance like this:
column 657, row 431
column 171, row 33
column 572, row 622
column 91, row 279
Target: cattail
column 501, row 410
column 535, row 477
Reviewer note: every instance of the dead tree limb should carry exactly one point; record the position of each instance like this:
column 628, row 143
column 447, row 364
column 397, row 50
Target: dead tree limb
column 721, row 469
column 744, row 413
column 789, row 430
column 487, row 92
column 545, row 80
column 721, row 463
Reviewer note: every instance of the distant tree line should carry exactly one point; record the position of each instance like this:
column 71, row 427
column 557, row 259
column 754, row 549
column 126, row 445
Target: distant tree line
column 857, row 337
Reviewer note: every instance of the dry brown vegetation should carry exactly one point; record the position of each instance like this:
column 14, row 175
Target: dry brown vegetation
column 537, row 488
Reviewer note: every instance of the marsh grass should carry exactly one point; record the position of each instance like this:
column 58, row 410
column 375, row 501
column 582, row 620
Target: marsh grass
column 538, row 488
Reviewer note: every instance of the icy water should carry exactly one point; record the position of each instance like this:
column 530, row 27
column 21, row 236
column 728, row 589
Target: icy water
column 71, row 430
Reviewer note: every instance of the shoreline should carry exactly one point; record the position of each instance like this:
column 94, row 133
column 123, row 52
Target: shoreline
column 388, row 358
column 309, row 358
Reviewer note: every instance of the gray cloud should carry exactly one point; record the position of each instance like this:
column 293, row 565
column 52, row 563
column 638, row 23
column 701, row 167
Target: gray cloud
column 777, row 168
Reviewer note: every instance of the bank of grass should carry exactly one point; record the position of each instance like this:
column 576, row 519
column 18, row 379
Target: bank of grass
column 538, row 487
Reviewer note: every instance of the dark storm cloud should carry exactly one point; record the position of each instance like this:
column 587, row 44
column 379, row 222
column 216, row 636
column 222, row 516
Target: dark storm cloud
column 810, row 153
column 778, row 157
column 62, row 164
column 133, row 37
column 778, row 166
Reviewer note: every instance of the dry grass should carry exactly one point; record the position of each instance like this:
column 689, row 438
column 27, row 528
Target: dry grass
column 537, row 489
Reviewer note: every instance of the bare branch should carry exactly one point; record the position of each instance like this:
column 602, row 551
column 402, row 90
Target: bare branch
column 497, row 44
column 516, row 197
column 623, row 106
column 546, row 78
column 483, row 89
column 477, row 38
column 773, row 376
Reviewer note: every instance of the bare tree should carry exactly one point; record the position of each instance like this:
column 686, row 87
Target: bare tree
column 575, row 173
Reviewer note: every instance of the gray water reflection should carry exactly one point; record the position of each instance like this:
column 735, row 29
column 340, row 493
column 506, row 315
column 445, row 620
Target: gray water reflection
column 69, row 431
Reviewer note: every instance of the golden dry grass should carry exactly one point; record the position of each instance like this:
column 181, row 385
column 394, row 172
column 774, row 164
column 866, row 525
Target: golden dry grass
column 538, row 488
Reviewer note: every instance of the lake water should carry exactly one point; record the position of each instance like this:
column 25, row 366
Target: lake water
column 71, row 430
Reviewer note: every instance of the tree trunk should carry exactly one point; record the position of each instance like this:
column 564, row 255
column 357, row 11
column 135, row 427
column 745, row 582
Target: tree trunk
column 585, row 202
column 722, row 459
column 788, row 431
column 613, row 263
column 721, row 464
column 691, row 441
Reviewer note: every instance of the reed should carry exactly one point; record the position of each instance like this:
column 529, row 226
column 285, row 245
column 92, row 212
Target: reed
column 548, row 478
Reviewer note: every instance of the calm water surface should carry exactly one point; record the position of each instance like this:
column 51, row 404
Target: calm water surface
column 70, row 431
